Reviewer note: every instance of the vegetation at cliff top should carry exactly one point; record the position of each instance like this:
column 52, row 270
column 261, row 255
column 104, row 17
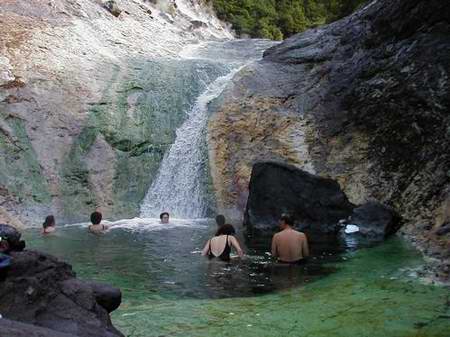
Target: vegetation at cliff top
column 279, row 19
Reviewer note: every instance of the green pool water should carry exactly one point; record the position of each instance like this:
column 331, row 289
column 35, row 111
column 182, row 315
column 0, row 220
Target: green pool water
column 170, row 290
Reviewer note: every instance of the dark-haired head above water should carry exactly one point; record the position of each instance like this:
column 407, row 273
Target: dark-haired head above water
column 164, row 216
column 286, row 219
column 220, row 220
column 96, row 218
column 226, row 229
column 49, row 221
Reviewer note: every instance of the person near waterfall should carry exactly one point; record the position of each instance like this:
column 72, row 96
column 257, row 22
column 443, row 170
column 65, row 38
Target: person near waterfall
column 97, row 227
column 164, row 217
column 220, row 245
column 220, row 220
column 289, row 245
column 49, row 225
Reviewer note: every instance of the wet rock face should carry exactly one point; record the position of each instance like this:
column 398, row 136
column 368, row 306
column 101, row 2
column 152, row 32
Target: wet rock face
column 89, row 103
column 316, row 203
column 43, row 291
column 370, row 97
column 375, row 220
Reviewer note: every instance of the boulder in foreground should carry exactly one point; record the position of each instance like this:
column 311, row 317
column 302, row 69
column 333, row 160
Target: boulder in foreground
column 43, row 291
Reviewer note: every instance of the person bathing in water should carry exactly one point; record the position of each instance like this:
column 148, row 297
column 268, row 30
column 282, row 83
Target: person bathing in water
column 220, row 245
column 289, row 245
column 49, row 225
column 97, row 227
column 220, row 220
column 164, row 217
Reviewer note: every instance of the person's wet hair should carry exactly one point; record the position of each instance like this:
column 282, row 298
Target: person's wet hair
column 226, row 229
column 49, row 221
column 96, row 218
column 220, row 220
column 288, row 219
column 162, row 214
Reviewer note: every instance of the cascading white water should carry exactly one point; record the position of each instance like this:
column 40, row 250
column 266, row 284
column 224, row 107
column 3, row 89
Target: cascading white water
column 178, row 188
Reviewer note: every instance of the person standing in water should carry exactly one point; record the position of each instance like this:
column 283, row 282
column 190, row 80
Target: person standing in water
column 220, row 220
column 164, row 217
column 220, row 245
column 49, row 225
column 289, row 245
column 97, row 227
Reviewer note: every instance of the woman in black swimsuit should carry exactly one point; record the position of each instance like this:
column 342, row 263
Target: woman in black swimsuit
column 220, row 245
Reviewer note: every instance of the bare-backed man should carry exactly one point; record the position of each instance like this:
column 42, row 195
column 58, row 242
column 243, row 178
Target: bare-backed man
column 289, row 245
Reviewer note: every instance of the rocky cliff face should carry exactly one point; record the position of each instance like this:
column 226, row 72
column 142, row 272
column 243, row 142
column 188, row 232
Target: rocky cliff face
column 364, row 101
column 90, row 98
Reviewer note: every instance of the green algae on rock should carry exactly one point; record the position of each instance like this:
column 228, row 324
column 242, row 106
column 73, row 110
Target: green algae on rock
column 127, row 134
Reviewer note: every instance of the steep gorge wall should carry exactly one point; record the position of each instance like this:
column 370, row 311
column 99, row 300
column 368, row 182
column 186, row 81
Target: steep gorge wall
column 364, row 101
column 89, row 102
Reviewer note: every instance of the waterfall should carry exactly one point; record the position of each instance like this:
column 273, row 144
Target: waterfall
column 179, row 186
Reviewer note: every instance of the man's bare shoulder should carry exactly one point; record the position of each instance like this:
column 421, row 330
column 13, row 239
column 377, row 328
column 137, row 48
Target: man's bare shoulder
column 300, row 234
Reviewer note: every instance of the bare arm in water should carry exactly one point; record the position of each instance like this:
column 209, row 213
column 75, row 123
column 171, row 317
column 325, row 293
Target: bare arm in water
column 274, row 246
column 205, row 250
column 236, row 245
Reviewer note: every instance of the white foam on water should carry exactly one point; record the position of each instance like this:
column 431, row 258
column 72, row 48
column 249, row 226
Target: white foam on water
column 177, row 187
column 349, row 229
column 148, row 224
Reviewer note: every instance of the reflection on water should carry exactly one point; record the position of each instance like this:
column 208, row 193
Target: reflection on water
column 160, row 260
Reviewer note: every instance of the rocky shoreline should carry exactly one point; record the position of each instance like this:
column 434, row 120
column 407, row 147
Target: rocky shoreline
column 41, row 296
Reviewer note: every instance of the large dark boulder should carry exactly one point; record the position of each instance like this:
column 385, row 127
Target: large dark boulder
column 316, row 203
column 41, row 290
column 375, row 221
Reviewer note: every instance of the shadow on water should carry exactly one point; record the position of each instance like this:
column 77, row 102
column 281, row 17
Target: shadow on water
column 147, row 259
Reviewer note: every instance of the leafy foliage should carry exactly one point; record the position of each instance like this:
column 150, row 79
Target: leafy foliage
column 278, row 19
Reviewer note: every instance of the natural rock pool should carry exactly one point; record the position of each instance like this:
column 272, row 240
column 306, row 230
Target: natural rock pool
column 170, row 290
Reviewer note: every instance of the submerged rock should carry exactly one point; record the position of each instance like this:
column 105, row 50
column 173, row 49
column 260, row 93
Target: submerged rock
column 316, row 203
column 43, row 291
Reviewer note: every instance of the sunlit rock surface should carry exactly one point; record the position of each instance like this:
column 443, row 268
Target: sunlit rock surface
column 363, row 101
column 89, row 101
